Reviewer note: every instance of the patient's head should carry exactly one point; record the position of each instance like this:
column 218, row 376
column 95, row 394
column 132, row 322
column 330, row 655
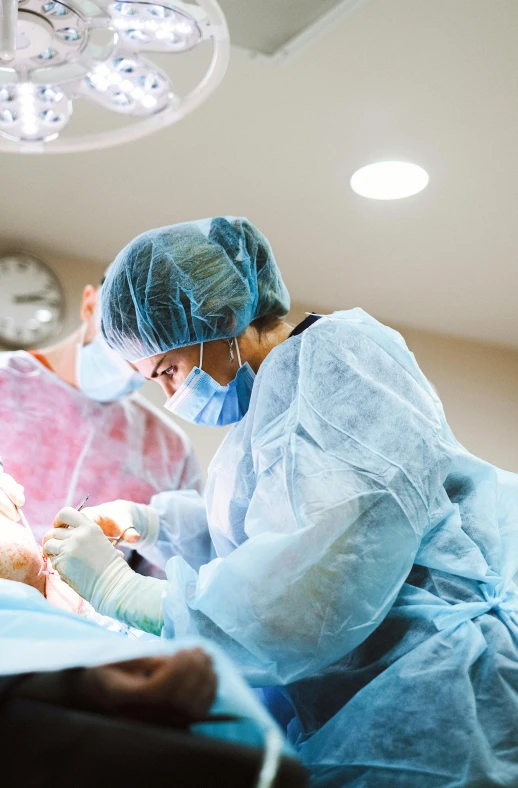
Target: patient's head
column 20, row 557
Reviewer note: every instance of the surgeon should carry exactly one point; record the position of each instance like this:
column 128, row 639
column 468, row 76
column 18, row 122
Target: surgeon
column 73, row 424
column 365, row 559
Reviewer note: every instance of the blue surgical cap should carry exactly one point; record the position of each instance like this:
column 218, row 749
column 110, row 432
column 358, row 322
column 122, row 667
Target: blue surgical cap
column 190, row 283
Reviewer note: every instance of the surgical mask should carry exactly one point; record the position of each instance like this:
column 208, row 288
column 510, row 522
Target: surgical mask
column 202, row 400
column 102, row 374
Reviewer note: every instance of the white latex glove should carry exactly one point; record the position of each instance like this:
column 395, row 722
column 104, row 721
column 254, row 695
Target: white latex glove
column 134, row 522
column 87, row 561
column 11, row 497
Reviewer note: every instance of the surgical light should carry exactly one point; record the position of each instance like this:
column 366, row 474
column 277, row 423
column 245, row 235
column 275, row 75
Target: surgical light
column 50, row 56
column 389, row 180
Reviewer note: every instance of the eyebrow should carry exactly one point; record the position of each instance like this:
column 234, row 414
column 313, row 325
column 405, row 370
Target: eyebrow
column 154, row 373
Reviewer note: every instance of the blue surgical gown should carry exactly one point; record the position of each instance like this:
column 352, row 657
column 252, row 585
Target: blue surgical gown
column 364, row 568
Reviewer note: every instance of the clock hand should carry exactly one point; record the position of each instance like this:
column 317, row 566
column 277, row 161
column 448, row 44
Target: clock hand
column 30, row 298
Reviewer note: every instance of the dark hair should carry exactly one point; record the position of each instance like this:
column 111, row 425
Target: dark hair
column 263, row 325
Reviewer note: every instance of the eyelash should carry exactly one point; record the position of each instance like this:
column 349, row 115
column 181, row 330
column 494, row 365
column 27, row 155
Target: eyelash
column 170, row 371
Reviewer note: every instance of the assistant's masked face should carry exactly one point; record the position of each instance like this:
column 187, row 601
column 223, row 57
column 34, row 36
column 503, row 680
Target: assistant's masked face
column 101, row 373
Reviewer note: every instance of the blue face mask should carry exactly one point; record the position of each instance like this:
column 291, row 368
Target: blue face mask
column 201, row 400
column 102, row 374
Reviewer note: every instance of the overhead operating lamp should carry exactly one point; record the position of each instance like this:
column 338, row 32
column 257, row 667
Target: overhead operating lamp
column 54, row 53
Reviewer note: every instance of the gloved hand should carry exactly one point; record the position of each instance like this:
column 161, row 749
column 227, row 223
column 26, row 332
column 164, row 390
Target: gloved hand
column 134, row 522
column 11, row 497
column 87, row 561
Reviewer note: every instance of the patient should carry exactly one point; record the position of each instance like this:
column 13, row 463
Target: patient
column 21, row 559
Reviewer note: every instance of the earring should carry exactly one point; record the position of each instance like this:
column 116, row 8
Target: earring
column 231, row 350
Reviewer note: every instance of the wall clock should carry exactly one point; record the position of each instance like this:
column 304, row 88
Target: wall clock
column 32, row 301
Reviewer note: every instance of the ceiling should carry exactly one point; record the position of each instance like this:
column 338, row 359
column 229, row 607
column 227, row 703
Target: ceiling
column 430, row 81
column 270, row 26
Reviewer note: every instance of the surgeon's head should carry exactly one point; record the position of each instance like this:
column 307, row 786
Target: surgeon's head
column 101, row 373
column 195, row 305
column 21, row 558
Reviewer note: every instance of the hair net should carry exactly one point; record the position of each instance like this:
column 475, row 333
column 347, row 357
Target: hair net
column 189, row 283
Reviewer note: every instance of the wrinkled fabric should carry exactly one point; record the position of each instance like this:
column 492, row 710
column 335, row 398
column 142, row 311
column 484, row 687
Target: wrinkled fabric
column 38, row 637
column 189, row 283
column 61, row 445
column 365, row 567
column 191, row 541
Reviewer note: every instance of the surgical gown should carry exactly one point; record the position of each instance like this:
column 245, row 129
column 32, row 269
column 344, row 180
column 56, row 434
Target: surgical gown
column 61, row 445
column 365, row 567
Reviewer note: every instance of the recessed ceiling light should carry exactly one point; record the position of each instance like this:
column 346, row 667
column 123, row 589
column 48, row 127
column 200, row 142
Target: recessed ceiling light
column 389, row 180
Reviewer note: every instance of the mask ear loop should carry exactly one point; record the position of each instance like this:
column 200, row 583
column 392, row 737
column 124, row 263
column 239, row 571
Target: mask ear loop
column 238, row 353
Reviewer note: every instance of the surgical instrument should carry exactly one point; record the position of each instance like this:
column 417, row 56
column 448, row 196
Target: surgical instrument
column 83, row 502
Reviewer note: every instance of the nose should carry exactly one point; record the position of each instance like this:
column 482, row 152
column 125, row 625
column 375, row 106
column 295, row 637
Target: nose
column 166, row 385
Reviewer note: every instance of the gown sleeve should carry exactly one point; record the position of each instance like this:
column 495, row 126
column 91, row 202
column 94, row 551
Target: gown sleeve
column 182, row 530
column 349, row 457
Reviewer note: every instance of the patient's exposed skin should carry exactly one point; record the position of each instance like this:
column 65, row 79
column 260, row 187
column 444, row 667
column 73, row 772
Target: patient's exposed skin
column 22, row 559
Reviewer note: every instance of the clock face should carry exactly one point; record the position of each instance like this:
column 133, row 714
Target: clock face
column 32, row 302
